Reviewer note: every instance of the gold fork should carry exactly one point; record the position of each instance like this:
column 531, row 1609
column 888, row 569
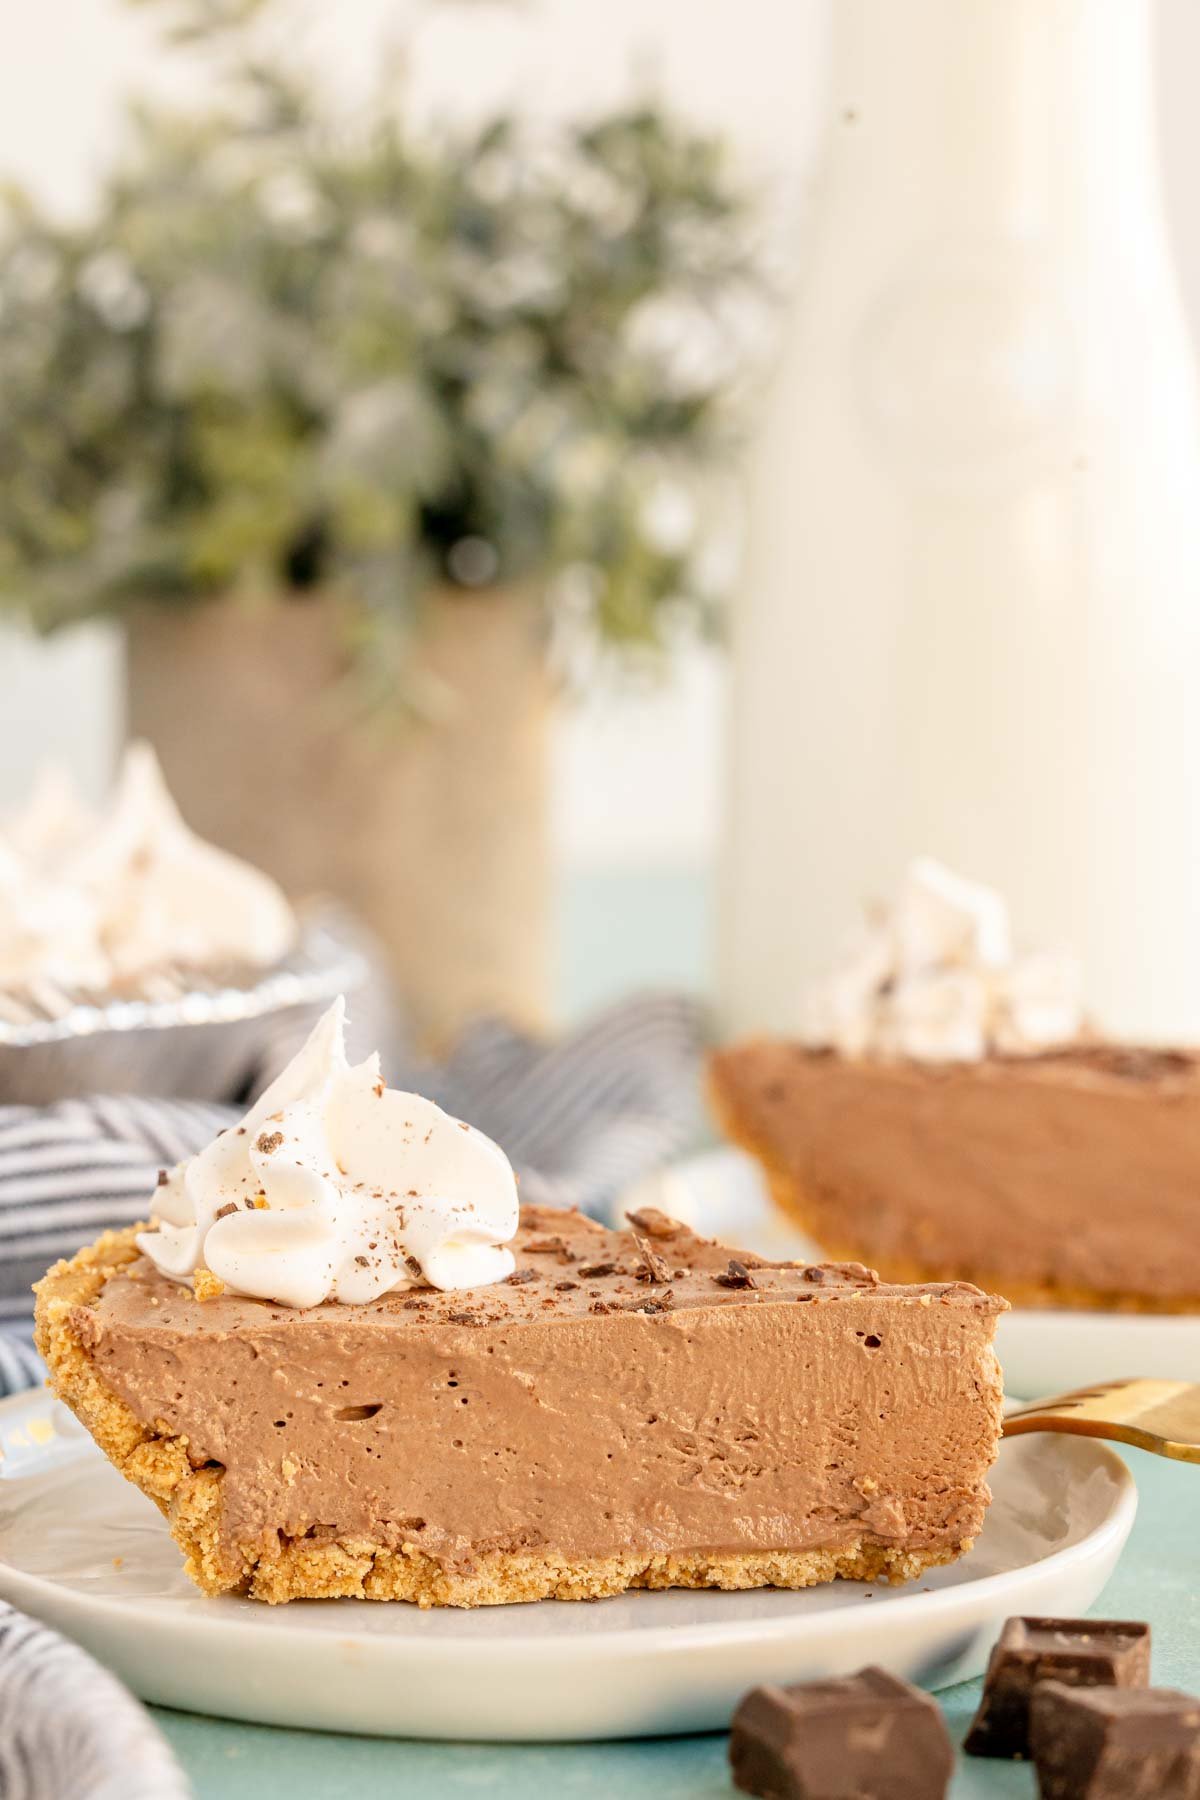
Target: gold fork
column 1162, row 1416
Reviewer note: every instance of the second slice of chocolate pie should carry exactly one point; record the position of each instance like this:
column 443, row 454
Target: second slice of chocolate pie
column 1066, row 1179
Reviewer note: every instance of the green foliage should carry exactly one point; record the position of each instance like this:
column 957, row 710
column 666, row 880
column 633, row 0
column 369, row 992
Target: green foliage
column 291, row 348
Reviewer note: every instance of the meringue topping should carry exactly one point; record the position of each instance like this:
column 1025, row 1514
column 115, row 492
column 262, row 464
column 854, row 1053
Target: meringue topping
column 118, row 896
column 163, row 895
column 47, row 930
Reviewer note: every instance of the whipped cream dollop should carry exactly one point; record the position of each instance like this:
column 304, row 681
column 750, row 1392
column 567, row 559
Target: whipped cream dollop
column 936, row 978
column 129, row 891
column 335, row 1187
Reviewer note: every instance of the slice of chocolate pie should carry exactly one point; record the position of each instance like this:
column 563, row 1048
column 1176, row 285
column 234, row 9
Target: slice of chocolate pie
column 1070, row 1179
column 627, row 1409
column 949, row 1119
column 341, row 1365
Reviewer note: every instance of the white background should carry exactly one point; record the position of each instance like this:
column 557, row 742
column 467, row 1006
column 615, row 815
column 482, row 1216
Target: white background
column 637, row 778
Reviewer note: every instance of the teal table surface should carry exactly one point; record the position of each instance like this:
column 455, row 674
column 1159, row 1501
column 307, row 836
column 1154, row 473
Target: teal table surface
column 615, row 932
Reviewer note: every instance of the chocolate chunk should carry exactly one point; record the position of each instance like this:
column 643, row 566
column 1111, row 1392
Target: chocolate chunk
column 737, row 1275
column 814, row 1273
column 594, row 1270
column 870, row 1735
column 463, row 1318
column 520, row 1276
column 654, row 1224
column 563, row 1287
column 651, row 1266
column 223, row 1212
column 1082, row 1653
column 1115, row 1743
column 855, row 1272
column 268, row 1142
column 654, row 1303
column 163, row 1178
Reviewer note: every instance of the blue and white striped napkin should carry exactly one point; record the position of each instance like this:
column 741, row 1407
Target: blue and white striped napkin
column 68, row 1728
column 581, row 1119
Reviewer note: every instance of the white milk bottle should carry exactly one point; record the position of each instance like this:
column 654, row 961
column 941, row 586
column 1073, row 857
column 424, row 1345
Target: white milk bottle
column 970, row 620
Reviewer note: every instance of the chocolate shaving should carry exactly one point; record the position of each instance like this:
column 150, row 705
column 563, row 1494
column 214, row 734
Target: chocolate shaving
column 601, row 1306
column 520, row 1276
column 163, row 1178
column 654, row 1224
column 593, row 1271
column 463, row 1318
column 222, row 1212
column 548, row 1246
column 651, row 1266
column 737, row 1275
column 655, row 1303
column 268, row 1141
column 561, row 1287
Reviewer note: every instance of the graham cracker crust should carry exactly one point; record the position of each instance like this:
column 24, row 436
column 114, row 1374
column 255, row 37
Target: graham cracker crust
column 189, row 1497
column 789, row 1195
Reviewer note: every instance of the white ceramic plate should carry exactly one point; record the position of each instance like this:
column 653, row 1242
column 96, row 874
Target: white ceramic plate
column 722, row 1195
column 84, row 1551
